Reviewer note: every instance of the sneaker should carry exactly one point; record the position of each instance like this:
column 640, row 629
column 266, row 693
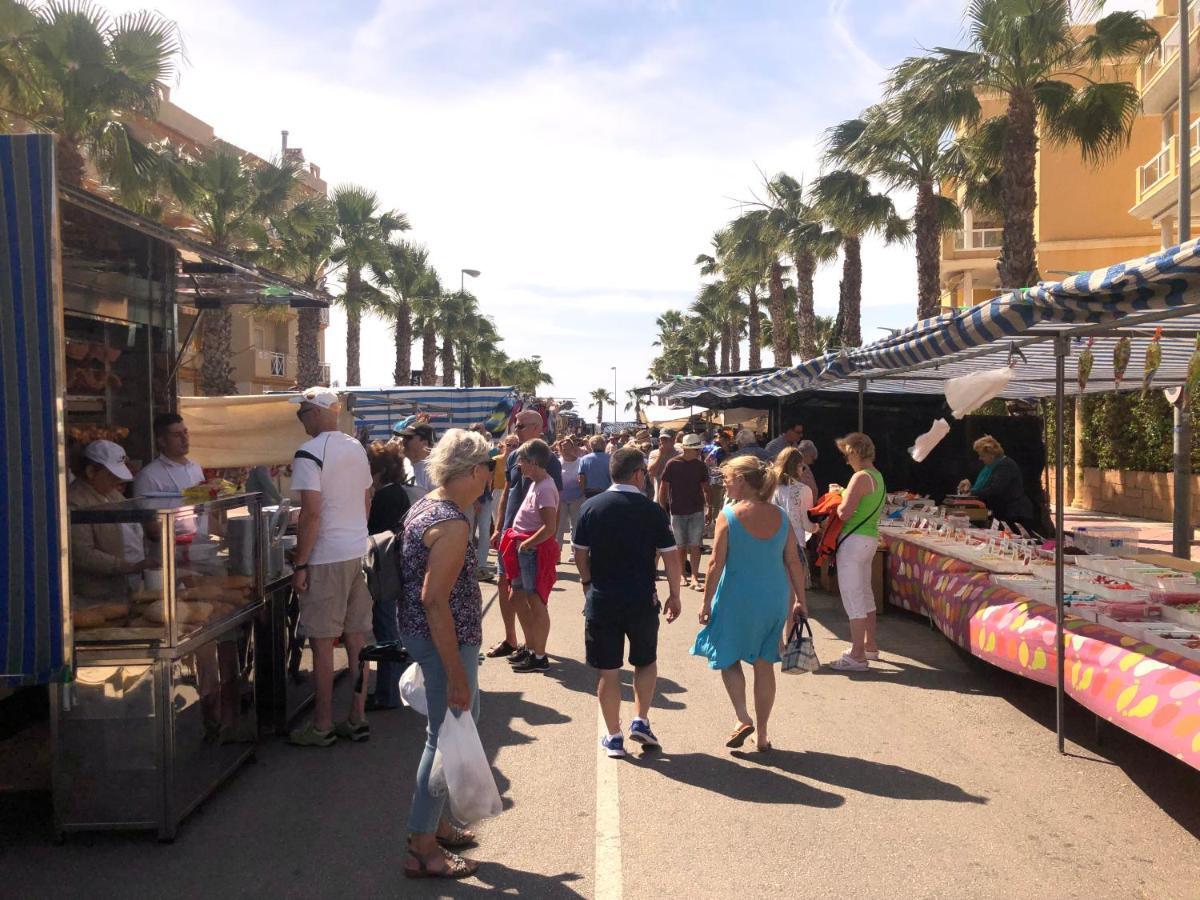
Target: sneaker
column 308, row 736
column 518, row 656
column 613, row 746
column 351, row 731
column 871, row 654
column 640, row 731
column 533, row 663
column 847, row 663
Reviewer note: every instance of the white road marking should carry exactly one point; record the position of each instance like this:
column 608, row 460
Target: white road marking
column 608, row 821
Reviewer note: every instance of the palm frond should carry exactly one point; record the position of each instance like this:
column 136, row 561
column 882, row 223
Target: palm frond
column 1098, row 118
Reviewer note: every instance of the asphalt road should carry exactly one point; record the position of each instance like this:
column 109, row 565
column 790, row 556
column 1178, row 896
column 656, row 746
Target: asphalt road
column 933, row 775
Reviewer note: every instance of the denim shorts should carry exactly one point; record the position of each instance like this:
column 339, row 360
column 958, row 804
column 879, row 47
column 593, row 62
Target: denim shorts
column 527, row 562
column 688, row 530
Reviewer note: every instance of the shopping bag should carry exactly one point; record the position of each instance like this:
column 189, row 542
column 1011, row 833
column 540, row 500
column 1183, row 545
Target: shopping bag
column 465, row 770
column 412, row 689
column 800, row 656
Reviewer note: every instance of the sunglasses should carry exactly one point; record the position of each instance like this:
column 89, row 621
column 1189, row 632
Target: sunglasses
column 302, row 412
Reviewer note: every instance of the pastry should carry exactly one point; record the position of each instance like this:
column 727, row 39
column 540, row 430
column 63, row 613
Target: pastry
column 88, row 617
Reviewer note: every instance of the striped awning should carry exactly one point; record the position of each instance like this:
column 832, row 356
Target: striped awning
column 1128, row 299
column 378, row 409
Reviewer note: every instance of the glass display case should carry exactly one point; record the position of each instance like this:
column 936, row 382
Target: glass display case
column 202, row 568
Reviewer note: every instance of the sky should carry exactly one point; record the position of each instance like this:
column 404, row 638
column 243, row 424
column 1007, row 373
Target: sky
column 579, row 153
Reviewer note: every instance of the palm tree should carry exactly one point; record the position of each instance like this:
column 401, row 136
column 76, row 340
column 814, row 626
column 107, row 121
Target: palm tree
column 526, row 374
column 1049, row 73
column 756, row 246
column 476, row 338
column 708, row 327
column 453, row 320
column 599, row 397
column 847, row 202
column 363, row 239
column 72, row 69
column 425, row 312
column 906, row 152
column 671, row 336
column 231, row 198
column 827, row 333
column 634, row 402
column 410, row 278
column 305, row 234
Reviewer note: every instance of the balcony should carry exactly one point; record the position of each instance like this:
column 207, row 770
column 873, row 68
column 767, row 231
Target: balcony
column 1156, row 177
column 324, row 316
column 978, row 239
column 1158, row 75
column 268, row 364
column 325, row 374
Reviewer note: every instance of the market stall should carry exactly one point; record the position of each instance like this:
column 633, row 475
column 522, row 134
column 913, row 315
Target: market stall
column 1142, row 310
column 378, row 409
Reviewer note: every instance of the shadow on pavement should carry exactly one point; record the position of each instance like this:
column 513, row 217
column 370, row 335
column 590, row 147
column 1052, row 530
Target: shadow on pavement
column 496, row 877
column 577, row 676
column 863, row 775
column 737, row 782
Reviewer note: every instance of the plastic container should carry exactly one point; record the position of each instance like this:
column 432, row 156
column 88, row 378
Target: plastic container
column 1176, row 597
column 1108, row 541
column 1128, row 611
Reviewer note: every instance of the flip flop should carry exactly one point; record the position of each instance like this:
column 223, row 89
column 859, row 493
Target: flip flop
column 739, row 736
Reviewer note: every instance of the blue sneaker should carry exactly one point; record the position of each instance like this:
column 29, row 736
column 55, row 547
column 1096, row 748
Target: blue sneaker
column 640, row 731
column 614, row 746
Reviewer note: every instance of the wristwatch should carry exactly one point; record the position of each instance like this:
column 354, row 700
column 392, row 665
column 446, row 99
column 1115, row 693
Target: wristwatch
column 585, row 584
column 298, row 567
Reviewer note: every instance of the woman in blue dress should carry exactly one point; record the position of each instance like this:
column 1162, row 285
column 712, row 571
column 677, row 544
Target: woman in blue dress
column 754, row 573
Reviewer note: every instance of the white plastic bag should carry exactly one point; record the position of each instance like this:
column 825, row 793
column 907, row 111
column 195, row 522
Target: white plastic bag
column 968, row 392
column 412, row 689
column 465, row 769
column 925, row 443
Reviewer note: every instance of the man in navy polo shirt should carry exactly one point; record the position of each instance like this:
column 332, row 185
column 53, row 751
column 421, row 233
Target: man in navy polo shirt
column 617, row 538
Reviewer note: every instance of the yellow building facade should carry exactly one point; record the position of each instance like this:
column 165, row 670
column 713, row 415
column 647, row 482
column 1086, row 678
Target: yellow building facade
column 1084, row 218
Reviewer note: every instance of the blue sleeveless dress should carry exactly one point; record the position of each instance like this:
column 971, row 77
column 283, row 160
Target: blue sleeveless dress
column 752, row 600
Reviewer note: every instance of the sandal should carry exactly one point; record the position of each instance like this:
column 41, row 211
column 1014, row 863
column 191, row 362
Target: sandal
column 739, row 735
column 762, row 748
column 504, row 648
column 458, row 839
column 456, row 866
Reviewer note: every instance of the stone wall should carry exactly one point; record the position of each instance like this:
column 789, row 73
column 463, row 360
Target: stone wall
column 1142, row 495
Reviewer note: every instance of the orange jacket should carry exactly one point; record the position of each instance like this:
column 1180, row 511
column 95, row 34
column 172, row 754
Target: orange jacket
column 827, row 506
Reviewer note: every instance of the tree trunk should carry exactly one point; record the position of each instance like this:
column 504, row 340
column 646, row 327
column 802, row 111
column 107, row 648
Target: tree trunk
column 725, row 331
column 754, row 331
column 467, row 365
column 70, row 166
column 448, row 363
column 806, row 318
column 735, row 346
column 710, row 356
column 308, row 354
column 929, row 252
column 353, row 326
column 428, row 355
column 402, row 373
column 851, row 301
column 1018, row 194
column 216, row 336
column 779, row 332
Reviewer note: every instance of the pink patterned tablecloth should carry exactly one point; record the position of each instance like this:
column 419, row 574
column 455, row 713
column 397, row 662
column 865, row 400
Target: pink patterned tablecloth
column 1150, row 692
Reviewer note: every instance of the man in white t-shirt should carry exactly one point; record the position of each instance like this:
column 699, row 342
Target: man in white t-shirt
column 332, row 476
column 171, row 472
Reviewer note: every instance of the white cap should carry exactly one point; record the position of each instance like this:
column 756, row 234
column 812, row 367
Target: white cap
column 317, row 396
column 109, row 455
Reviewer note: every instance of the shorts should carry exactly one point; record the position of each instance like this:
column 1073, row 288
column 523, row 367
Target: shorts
column 688, row 530
column 605, row 633
column 527, row 562
column 337, row 601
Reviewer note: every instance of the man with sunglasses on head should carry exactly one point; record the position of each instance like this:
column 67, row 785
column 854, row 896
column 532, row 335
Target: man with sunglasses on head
column 527, row 426
column 333, row 478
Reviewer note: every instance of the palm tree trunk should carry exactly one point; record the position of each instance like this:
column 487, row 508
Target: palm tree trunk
column 448, row 364
column 1018, row 194
column 725, row 331
column 806, row 318
column 353, row 326
column 710, row 355
column 402, row 373
column 779, row 332
column 216, row 336
column 851, row 301
column 755, row 337
column 428, row 355
column 70, row 167
column 308, row 355
column 467, row 365
column 929, row 252
column 735, row 346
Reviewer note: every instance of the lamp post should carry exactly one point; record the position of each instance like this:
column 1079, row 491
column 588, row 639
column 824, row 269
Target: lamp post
column 614, row 371
column 462, row 276
column 1181, row 529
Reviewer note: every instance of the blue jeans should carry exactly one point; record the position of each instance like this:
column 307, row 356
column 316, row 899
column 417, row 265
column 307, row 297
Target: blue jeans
column 427, row 809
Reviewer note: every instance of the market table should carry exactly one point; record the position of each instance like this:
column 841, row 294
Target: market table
column 1150, row 692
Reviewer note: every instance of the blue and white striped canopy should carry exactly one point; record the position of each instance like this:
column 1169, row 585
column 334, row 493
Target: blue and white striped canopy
column 448, row 407
column 920, row 358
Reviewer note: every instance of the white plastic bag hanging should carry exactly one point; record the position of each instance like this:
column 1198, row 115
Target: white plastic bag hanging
column 465, row 770
column 968, row 392
column 925, row 443
column 412, row 689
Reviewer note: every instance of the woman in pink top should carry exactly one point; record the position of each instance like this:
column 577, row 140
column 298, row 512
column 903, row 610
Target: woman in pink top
column 535, row 524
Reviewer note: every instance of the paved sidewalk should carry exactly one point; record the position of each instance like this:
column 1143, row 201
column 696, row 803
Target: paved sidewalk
column 1155, row 537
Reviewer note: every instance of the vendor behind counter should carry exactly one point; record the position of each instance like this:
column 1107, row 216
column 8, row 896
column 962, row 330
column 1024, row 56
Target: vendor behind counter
column 1000, row 487
column 103, row 556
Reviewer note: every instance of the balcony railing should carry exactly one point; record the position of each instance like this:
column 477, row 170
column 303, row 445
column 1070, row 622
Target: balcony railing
column 1165, row 163
column 278, row 364
column 1168, row 50
column 324, row 317
column 325, row 374
column 979, row 239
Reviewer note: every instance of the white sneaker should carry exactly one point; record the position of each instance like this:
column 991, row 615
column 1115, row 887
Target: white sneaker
column 847, row 663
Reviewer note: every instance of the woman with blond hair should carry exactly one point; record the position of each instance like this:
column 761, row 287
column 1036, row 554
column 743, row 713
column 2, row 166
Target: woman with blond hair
column 999, row 485
column 754, row 589
column 859, row 510
column 795, row 498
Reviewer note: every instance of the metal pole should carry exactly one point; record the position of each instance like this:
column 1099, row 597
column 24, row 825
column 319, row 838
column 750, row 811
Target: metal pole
column 1181, row 529
column 614, row 368
column 1061, row 348
column 862, row 390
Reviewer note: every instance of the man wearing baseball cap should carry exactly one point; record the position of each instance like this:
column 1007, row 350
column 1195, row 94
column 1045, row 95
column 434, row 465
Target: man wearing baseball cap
column 418, row 442
column 684, row 491
column 333, row 478
column 103, row 556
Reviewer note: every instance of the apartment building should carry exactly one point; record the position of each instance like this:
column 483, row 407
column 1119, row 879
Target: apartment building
column 1083, row 219
column 1156, row 183
column 264, row 342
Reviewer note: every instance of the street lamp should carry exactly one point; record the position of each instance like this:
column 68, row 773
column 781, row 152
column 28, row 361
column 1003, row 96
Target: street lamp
column 614, row 371
column 474, row 273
